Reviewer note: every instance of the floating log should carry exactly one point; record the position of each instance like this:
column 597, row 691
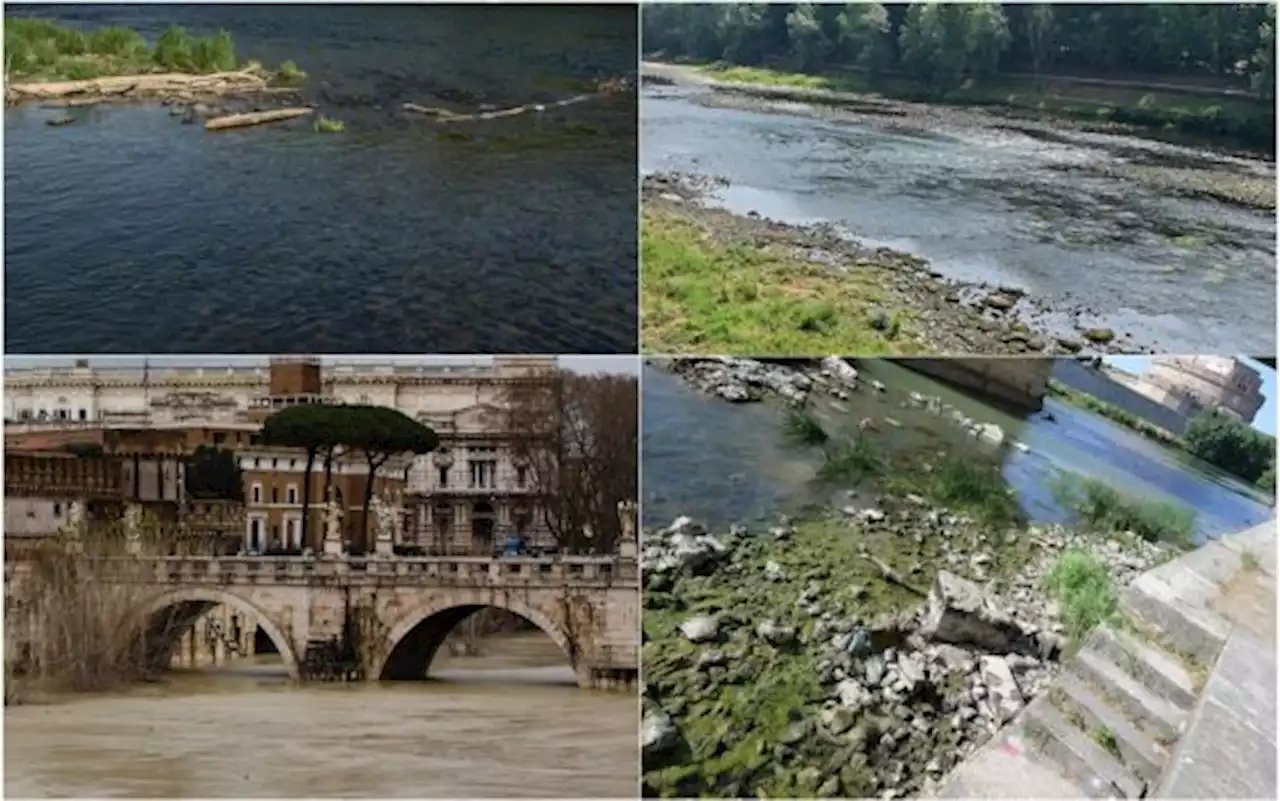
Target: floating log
column 255, row 118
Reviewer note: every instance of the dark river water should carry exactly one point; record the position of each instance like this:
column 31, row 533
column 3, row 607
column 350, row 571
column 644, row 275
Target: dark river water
column 725, row 464
column 130, row 232
column 1180, row 275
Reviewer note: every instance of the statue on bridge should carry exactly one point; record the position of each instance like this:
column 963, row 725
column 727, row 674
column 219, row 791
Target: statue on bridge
column 332, row 524
column 388, row 516
column 133, row 529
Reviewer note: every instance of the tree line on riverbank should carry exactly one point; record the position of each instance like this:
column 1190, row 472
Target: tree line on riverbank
column 976, row 52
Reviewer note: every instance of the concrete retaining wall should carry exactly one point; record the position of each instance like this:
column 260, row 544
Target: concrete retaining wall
column 1096, row 383
column 1020, row 383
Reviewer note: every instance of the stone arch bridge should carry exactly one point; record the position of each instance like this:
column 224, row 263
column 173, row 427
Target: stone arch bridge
column 402, row 607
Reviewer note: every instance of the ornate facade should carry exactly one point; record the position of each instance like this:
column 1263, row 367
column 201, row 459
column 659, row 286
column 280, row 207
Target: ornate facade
column 465, row 498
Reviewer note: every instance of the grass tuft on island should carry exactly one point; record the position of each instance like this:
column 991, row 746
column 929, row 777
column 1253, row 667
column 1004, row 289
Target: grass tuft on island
column 704, row 295
column 328, row 125
column 41, row 50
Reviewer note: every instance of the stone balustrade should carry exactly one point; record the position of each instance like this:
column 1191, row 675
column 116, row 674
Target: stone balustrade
column 586, row 571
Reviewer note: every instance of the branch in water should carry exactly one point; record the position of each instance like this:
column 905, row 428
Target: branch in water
column 611, row 86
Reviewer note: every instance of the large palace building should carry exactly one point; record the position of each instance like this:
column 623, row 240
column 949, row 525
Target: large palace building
column 463, row 498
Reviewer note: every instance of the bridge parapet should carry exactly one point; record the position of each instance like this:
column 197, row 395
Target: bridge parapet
column 516, row 572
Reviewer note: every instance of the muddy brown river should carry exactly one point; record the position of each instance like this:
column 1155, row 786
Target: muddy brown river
column 508, row 723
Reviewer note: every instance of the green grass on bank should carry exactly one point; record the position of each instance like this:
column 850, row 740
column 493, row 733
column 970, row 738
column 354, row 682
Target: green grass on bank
column 702, row 295
column 1083, row 589
column 37, row 49
column 1105, row 508
column 1250, row 123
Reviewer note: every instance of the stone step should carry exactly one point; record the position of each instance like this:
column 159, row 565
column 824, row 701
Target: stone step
column 1138, row 751
column 1158, row 717
column 1097, row 773
column 1154, row 599
column 1156, row 669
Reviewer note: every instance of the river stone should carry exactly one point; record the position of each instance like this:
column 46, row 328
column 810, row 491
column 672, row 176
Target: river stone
column 773, row 571
column 853, row 695
column 1001, row 302
column 959, row 613
column 1100, row 336
column 700, row 629
column 1004, row 698
column 837, row 719
column 840, row 370
column 658, row 732
column 775, row 634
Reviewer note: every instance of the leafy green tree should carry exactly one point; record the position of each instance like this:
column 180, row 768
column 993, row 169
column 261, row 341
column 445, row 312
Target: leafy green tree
column 809, row 44
column 1230, row 443
column 381, row 432
column 864, row 32
column 317, row 429
column 213, row 474
column 1039, row 32
column 1264, row 58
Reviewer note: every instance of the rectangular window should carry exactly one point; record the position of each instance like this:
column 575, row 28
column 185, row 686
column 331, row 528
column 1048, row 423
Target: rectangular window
column 84, row 414
column 520, row 476
column 275, row 495
column 292, row 493
column 257, row 493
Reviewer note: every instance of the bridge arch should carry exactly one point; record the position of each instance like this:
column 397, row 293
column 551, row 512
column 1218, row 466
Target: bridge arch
column 165, row 617
column 411, row 645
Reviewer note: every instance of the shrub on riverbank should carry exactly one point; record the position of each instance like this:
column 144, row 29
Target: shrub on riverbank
column 1083, row 589
column 804, row 428
column 40, row 49
column 1230, row 443
column 974, row 488
column 1107, row 509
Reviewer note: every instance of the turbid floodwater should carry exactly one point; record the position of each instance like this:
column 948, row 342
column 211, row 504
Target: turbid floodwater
column 725, row 464
column 1052, row 215
column 129, row 232
column 509, row 723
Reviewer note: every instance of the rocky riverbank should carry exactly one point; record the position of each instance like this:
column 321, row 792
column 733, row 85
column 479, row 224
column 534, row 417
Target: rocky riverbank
column 795, row 382
column 912, row 307
column 863, row 652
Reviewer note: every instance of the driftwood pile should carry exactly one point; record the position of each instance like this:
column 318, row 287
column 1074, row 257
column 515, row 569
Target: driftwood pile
column 130, row 87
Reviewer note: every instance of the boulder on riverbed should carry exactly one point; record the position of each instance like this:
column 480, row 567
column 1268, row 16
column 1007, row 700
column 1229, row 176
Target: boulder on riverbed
column 959, row 613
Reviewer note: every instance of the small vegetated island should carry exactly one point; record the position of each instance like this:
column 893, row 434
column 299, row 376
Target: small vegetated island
column 200, row 77
column 716, row 282
column 867, row 648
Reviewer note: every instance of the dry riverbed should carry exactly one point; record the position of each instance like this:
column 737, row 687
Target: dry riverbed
column 885, row 301
column 863, row 650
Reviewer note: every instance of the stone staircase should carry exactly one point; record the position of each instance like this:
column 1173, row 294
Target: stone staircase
column 1113, row 714
column 1135, row 707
